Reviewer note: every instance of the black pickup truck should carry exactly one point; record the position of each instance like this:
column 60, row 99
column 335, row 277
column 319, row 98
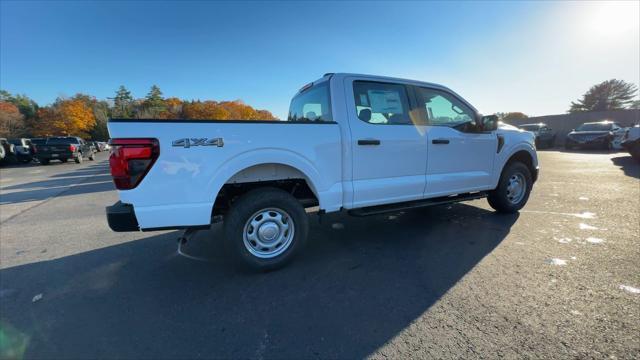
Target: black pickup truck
column 63, row 149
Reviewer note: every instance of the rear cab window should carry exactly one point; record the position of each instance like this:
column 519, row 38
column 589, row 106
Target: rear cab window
column 312, row 103
column 62, row 141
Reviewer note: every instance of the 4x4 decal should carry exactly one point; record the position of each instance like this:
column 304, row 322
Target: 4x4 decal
column 189, row 142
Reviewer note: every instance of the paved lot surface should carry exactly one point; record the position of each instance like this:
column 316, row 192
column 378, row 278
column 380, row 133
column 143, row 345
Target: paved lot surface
column 448, row 282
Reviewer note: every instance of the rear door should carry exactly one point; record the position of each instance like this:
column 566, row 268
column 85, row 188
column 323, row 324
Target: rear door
column 389, row 152
column 460, row 158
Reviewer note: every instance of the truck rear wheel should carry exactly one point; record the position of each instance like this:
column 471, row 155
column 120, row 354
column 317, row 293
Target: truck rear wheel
column 265, row 229
column 513, row 188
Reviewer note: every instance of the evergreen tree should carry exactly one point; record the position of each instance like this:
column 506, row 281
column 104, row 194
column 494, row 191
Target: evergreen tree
column 122, row 103
column 608, row 95
column 154, row 103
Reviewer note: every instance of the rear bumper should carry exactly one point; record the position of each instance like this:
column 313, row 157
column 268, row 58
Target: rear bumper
column 122, row 218
column 598, row 142
column 55, row 156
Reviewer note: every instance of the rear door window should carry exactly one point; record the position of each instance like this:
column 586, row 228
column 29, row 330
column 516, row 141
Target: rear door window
column 381, row 103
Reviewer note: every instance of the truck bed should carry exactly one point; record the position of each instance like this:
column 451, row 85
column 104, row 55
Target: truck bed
column 188, row 178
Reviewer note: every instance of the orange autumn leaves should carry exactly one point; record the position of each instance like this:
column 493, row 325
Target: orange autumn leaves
column 224, row 110
column 66, row 117
column 84, row 115
column 11, row 121
column 174, row 108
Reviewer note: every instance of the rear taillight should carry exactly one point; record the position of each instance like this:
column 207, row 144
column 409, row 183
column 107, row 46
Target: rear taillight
column 72, row 148
column 131, row 159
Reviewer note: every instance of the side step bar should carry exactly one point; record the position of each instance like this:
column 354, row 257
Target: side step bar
column 379, row 209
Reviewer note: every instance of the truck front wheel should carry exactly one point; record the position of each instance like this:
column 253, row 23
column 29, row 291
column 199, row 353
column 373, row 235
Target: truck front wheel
column 265, row 228
column 513, row 189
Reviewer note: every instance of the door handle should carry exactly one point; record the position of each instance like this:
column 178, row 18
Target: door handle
column 368, row 142
column 440, row 141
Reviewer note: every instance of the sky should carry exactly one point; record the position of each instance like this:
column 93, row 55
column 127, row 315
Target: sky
column 533, row 57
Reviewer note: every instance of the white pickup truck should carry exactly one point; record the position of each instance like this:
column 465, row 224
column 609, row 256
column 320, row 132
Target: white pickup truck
column 360, row 143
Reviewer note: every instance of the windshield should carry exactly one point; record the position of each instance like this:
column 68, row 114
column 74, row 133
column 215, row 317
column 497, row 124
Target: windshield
column 530, row 127
column 16, row 141
column 64, row 140
column 312, row 104
column 38, row 141
column 595, row 127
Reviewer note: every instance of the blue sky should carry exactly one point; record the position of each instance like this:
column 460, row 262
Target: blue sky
column 533, row 57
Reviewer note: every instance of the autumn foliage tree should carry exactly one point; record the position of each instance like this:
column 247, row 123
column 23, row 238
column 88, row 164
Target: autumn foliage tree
column 84, row 115
column 66, row 117
column 11, row 120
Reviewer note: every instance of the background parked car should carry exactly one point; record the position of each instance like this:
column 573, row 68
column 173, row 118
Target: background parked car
column 545, row 136
column 23, row 148
column 631, row 141
column 63, row 149
column 593, row 135
column 8, row 153
column 104, row 146
column 96, row 145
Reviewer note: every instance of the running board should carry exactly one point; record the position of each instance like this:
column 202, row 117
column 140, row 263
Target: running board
column 379, row 209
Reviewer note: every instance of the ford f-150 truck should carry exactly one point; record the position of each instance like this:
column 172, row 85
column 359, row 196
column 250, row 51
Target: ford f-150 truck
column 358, row 143
column 64, row 148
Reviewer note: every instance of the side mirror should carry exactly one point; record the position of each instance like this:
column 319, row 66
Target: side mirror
column 489, row 123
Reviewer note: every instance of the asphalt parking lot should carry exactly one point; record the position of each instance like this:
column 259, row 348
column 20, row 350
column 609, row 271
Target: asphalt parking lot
column 559, row 279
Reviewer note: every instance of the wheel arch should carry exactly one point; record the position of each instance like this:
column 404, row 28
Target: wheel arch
column 524, row 156
column 267, row 167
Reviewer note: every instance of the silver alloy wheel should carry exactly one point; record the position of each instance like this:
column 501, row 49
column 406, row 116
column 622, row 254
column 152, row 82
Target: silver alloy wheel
column 517, row 188
column 268, row 233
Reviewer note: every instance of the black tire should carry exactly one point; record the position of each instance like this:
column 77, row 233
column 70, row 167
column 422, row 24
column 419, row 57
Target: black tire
column 247, row 207
column 64, row 160
column 92, row 156
column 78, row 158
column 44, row 161
column 499, row 198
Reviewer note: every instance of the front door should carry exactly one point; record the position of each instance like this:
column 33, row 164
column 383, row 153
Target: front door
column 389, row 150
column 460, row 158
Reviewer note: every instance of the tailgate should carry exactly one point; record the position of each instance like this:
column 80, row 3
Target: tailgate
column 54, row 149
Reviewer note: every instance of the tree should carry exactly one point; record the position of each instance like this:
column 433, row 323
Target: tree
column 11, row 120
column 204, row 110
column 101, row 112
column 635, row 105
column 66, row 117
column 173, row 109
column 27, row 107
column 512, row 116
column 122, row 103
column 154, row 103
column 608, row 95
column 5, row 95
